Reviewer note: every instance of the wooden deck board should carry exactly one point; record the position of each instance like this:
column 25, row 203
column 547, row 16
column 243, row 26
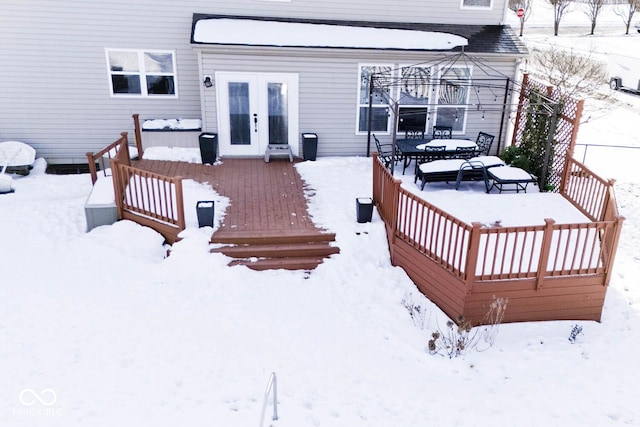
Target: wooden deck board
column 265, row 198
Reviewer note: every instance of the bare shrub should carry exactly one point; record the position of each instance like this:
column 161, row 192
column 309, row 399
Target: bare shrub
column 416, row 311
column 460, row 336
column 575, row 331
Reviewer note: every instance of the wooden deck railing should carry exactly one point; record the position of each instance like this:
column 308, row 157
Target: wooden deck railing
column 588, row 192
column 104, row 156
column 147, row 198
column 477, row 253
column 137, row 133
column 561, row 249
column 433, row 232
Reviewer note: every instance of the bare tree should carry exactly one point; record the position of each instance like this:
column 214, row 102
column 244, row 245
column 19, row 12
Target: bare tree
column 559, row 9
column 524, row 5
column 626, row 10
column 573, row 73
column 594, row 7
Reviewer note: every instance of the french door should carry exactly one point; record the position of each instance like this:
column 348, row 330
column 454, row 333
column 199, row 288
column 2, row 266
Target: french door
column 256, row 109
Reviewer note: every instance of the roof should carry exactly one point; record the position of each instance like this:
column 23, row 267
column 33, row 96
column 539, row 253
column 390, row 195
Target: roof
column 285, row 32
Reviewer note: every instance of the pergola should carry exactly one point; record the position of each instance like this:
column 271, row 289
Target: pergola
column 411, row 94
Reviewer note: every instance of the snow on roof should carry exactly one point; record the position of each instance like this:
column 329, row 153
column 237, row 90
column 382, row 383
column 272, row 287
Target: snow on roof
column 253, row 32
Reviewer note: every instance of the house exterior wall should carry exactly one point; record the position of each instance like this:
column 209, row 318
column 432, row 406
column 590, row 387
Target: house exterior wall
column 54, row 76
column 329, row 91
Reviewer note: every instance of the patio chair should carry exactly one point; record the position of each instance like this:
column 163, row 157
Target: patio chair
column 464, row 153
column 442, row 132
column 484, row 142
column 509, row 178
column 414, row 134
column 430, row 154
column 411, row 133
column 385, row 152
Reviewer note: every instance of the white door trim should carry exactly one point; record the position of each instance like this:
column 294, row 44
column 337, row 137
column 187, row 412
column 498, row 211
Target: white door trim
column 259, row 107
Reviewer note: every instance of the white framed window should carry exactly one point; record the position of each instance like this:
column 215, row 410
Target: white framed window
column 426, row 96
column 453, row 97
column 414, row 96
column 380, row 102
column 142, row 73
column 476, row 4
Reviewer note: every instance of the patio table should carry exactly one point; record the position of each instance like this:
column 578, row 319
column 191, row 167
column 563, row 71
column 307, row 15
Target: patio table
column 450, row 145
column 413, row 149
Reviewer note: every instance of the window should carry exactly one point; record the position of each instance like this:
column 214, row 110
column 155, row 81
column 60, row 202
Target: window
column 142, row 73
column 415, row 87
column 453, row 92
column 380, row 100
column 425, row 95
column 476, row 4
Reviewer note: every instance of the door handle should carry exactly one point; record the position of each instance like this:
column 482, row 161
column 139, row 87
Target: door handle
column 255, row 122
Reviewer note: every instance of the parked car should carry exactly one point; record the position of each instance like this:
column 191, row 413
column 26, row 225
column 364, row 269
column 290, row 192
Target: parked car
column 637, row 26
column 624, row 73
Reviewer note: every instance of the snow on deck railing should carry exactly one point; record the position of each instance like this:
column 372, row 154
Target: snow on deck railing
column 496, row 253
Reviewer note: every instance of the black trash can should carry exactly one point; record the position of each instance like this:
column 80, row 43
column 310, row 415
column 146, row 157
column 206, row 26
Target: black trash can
column 309, row 146
column 205, row 210
column 208, row 147
column 364, row 209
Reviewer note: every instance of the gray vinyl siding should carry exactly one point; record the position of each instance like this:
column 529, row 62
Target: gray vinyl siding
column 328, row 92
column 54, row 77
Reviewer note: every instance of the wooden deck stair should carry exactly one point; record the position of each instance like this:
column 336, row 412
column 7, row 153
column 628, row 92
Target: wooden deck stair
column 271, row 250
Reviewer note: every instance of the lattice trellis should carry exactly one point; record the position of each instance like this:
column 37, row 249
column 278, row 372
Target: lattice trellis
column 566, row 130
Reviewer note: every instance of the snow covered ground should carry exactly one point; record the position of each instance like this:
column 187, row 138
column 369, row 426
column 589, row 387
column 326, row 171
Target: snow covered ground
column 100, row 329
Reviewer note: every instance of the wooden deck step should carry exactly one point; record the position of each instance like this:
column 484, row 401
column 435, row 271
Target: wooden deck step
column 311, row 249
column 270, row 237
column 294, row 263
column 271, row 250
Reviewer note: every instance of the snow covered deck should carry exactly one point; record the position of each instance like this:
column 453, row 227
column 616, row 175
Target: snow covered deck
column 550, row 254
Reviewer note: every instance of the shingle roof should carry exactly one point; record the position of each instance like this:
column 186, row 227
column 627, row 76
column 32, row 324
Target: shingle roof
column 492, row 39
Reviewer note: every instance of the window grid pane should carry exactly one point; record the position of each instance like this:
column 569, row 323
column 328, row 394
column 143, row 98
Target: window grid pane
column 379, row 119
column 158, row 63
column 476, row 3
column 380, row 98
column 142, row 73
column 381, row 87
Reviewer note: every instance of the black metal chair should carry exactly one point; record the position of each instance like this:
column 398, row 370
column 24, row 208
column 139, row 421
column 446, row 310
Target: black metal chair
column 414, row 134
column 464, row 153
column 442, row 132
column 484, row 142
column 385, row 152
column 430, row 154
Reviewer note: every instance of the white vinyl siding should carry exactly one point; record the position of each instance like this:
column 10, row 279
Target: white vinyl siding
column 328, row 92
column 76, row 114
